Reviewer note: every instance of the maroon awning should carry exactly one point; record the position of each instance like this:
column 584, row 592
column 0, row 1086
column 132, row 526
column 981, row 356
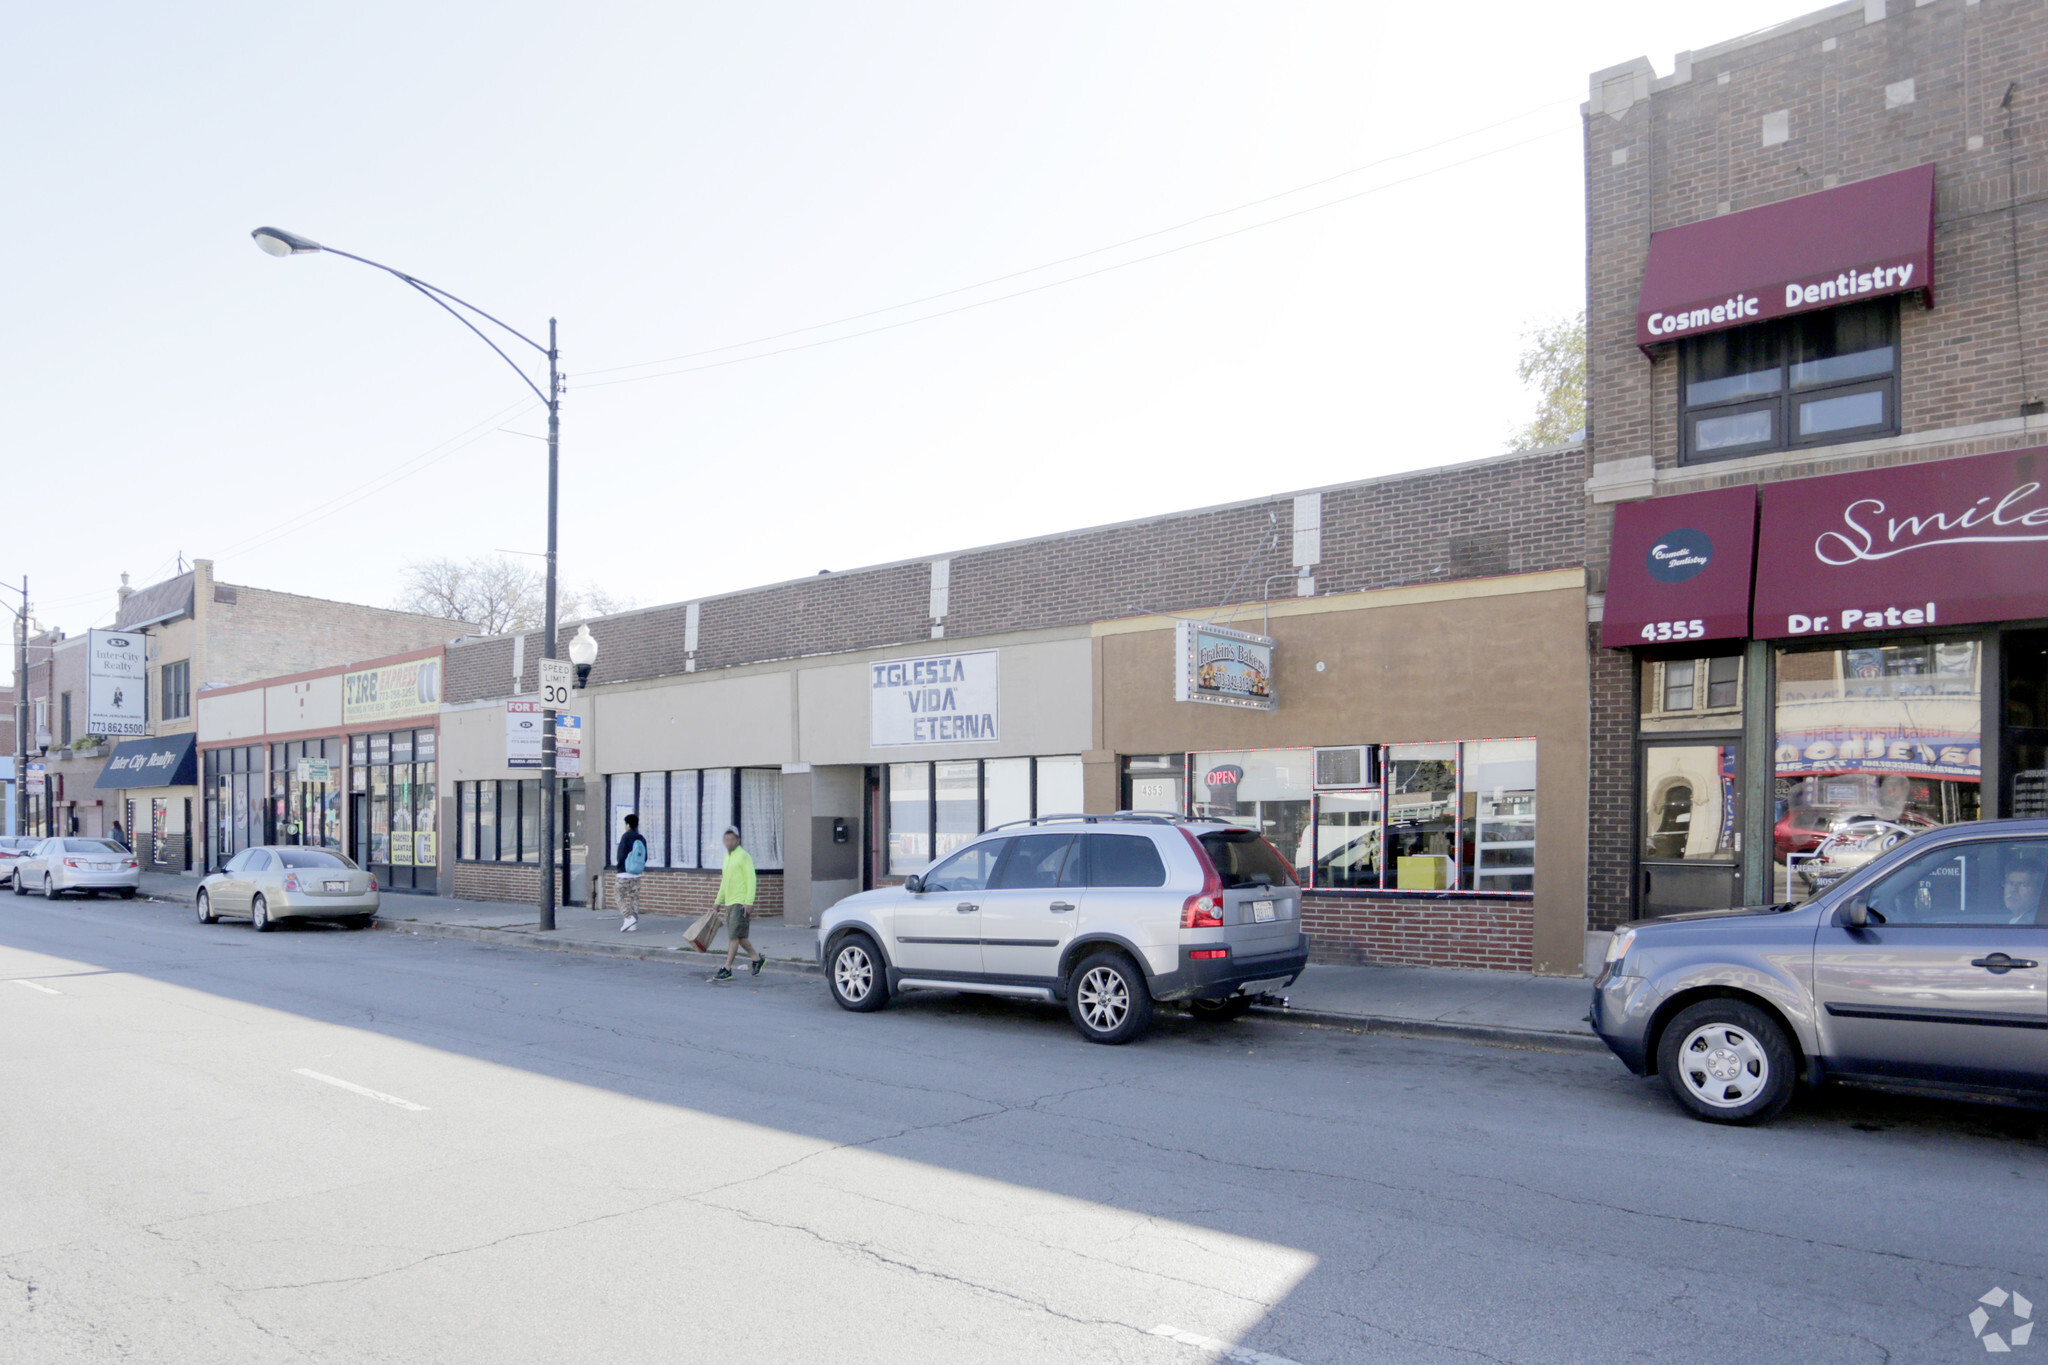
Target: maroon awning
column 1821, row 250
column 1934, row 544
column 1679, row 568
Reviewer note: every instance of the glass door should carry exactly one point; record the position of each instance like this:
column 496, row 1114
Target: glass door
column 1689, row 843
column 2026, row 723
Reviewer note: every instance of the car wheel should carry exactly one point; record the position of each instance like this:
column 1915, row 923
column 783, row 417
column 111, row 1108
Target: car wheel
column 259, row 915
column 50, row 891
column 859, row 980
column 126, row 893
column 205, row 906
column 1107, row 998
column 361, row 921
column 1727, row 1061
column 20, row 888
column 1220, row 1011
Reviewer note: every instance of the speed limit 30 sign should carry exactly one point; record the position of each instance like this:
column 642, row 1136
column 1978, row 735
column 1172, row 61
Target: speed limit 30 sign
column 557, row 680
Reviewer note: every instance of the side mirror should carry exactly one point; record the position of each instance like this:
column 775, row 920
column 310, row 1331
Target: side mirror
column 1856, row 914
column 914, row 884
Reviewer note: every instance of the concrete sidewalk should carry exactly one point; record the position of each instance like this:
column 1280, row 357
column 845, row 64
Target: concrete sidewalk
column 1488, row 1007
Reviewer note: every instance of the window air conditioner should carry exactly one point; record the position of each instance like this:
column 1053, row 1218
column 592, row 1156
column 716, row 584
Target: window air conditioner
column 1344, row 766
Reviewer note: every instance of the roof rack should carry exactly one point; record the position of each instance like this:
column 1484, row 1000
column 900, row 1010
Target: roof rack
column 1150, row 817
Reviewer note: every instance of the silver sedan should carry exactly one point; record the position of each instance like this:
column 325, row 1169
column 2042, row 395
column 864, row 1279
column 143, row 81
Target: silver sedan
column 287, row 881
column 85, row 866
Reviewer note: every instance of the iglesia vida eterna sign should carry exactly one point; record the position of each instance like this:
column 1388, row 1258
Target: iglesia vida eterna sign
column 944, row 699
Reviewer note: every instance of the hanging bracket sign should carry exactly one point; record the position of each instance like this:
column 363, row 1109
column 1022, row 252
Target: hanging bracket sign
column 1222, row 667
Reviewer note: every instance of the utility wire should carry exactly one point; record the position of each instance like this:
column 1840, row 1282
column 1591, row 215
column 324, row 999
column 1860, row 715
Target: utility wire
column 1079, row 256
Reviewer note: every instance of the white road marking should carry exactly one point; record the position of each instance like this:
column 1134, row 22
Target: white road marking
column 37, row 986
column 1243, row 1354
column 362, row 1090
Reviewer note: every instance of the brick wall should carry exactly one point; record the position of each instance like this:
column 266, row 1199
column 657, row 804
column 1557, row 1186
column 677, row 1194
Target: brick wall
column 1492, row 934
column 1514, row 514
column 496, row 882
column 692, row 893
column 1661, row 152
column 254, row 633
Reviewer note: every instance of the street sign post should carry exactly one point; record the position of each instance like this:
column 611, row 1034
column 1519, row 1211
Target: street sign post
column 557, row 681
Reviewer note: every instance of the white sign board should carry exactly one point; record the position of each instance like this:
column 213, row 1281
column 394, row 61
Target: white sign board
column 522, row 734
column 116, row 685
column 943, row 699
column 557, row 681
column 568, row 745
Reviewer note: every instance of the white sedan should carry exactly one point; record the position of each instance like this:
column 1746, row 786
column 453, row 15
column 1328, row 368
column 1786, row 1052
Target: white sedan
column 289, row 881
column 87, row 866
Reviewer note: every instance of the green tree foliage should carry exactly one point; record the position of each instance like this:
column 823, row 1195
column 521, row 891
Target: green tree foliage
column 1554, row 362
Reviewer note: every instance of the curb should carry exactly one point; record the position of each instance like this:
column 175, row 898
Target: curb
column 521, row 938
column 1489, row 1035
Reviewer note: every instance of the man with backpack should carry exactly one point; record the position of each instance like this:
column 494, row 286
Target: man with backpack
column 631, row 862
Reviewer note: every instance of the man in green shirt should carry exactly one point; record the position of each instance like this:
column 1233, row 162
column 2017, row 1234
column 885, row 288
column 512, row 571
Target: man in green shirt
column 736, row 895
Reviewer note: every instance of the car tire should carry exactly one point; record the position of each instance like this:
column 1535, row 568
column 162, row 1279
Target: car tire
column 50, row 891
column 1220, row 1011
column 857, row 976
column 360, row 921
column 126, row 893
column 1727, row 1061
column 259, row 915
column 19, row 888
column 1107, row 998
column 204, row 904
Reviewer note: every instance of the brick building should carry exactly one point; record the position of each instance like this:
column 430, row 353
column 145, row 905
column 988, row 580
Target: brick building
column 1814, row 276
column 1424, row 636
column 195, row 633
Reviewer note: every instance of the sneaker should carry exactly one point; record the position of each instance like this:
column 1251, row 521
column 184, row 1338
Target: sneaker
column 632, row 924
column 754, row 969
column 722, row 974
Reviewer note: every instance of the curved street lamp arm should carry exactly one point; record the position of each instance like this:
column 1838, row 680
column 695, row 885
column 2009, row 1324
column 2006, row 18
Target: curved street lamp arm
column 432, row 295
column 418, row 283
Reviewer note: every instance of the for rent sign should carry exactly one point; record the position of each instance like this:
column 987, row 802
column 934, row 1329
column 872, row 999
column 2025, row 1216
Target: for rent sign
column 945, row 699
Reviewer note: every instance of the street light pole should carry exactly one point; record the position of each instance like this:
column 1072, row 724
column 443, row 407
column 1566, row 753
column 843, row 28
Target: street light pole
column 20, row 713
column 278, row 242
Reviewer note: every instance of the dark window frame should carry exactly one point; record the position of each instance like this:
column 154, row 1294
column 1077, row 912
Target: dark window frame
column 1785, row 403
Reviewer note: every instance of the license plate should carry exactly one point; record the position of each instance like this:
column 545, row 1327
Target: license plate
column 1262, row 911
column 337, row 886
column 103, row 867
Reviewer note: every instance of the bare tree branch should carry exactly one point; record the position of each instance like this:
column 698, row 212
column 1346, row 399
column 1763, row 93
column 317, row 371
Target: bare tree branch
column 497, row 594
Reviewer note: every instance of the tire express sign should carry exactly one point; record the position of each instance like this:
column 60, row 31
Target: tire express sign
column 392, row 692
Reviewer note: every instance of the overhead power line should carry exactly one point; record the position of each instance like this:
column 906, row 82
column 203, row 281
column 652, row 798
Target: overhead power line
column 1054, row 284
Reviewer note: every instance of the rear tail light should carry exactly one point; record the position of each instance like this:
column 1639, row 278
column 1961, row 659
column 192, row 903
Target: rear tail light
column 373, row 883
column 131, row 863
column 1209, row 952
column 1203, row 910
column 74, row 862
column 291, row 882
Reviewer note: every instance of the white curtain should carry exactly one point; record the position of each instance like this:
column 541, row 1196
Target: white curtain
column 761, row 815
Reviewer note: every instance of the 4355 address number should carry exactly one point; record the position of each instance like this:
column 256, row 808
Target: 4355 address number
column 1675, row 630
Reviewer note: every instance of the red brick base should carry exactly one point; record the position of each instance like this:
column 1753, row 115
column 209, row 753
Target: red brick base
column 692, row 893
column 1400, row 932
column 496, row 882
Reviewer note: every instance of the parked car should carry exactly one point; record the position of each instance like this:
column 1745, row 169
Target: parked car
column 71, row 864
column 13, row 847
column 1110, row 914
column 1854, row 842
column 1923, row 968
column 288, row 881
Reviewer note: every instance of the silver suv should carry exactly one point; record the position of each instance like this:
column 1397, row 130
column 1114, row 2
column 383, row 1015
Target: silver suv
column 1109, row 913
column 1923, row 968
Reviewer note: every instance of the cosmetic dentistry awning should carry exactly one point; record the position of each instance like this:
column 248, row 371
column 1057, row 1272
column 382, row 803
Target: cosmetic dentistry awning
column 1821, row 250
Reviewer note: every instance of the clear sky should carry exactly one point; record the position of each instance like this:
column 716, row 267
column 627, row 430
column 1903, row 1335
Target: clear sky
column 671, row 179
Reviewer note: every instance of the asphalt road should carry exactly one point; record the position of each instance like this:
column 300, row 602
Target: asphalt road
column 327, row 1146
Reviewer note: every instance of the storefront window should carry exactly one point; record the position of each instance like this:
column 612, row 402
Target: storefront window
column 1156, row 782
column 1059, row 785
column 1498, row 839
column 761, row 816
column 1006, row 790
column 653, row 810
column 1874, row 745
column 486, row 822
column 956, row 791
column 1348, row 839
column 682, row 819
column 910, row 818
column 465, row 822
column 1422, row 834
column 1267, row 790
column 715, row 812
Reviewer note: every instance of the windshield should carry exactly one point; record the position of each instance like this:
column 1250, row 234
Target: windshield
column 310, row 857
column 1242, row 858
column 92, row 846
